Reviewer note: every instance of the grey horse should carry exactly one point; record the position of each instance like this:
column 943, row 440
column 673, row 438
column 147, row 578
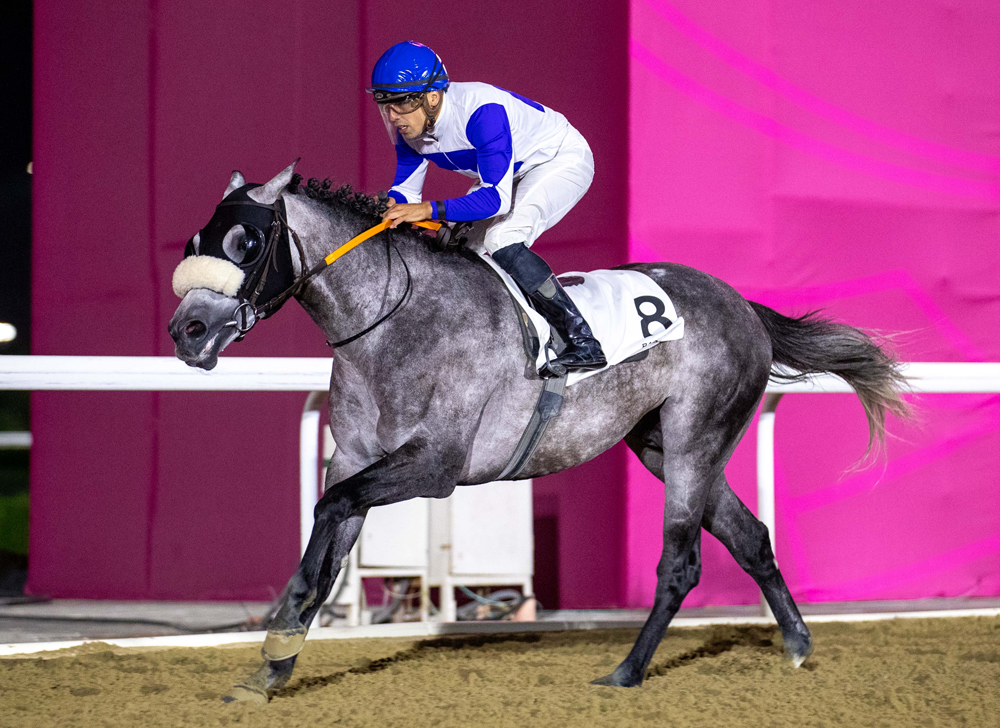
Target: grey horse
column 439, row 392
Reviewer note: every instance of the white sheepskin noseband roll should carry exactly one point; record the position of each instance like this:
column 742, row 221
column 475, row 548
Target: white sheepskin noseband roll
column 204, row 271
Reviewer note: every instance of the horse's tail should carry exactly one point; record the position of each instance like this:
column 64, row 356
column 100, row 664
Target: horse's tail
column 811, row 344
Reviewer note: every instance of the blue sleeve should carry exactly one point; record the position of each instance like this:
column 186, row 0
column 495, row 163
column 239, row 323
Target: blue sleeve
column 411, row 169
column 489, row 132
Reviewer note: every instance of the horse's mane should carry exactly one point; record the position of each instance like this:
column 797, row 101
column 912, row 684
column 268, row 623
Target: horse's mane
column 371, row 207
column 343, row 196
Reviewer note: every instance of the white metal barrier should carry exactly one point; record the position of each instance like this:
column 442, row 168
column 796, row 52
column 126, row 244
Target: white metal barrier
column 291, row 374
column 926, row 378
column 310, row 375
column 15, row 440
column 168, row 374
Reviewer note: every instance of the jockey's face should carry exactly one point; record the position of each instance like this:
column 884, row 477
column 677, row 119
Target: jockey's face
column 411, row 124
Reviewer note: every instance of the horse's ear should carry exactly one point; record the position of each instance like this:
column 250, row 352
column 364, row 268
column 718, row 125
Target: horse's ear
column 235, row 182
column 267, row 194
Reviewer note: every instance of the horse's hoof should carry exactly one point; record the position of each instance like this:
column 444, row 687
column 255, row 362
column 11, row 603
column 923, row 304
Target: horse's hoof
column 797, row 650
column 280, row 644
column 245, row 694
column 618, row 679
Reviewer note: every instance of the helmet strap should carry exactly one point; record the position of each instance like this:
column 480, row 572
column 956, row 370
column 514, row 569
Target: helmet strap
column 431, row 112
column 428, row 111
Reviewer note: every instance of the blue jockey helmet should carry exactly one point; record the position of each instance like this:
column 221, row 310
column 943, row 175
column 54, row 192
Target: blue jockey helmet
column 407, row 68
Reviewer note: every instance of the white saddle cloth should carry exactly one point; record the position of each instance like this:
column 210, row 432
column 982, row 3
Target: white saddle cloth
column 626, row 310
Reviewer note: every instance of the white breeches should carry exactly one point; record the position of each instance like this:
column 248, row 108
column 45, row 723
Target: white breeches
column 542, row 196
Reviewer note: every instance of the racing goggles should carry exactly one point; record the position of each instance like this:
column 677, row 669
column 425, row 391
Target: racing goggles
column 390, row 111
column 402, row 104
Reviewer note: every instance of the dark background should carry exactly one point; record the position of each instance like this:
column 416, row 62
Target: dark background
column 15, row 278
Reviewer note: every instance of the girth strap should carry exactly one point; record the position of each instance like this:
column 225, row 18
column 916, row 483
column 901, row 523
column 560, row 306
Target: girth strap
column 548, row 407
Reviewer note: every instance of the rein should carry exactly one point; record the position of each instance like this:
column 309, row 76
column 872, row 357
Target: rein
column 250, row 313
column 369, row 233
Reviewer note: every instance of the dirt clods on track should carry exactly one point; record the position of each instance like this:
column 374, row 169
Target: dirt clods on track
column 927, row 672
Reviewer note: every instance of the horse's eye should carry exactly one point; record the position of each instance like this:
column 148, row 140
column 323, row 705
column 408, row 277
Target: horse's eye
column 243, row 244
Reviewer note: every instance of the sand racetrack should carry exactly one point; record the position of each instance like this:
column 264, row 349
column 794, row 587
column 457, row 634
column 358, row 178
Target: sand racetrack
column 913, row 672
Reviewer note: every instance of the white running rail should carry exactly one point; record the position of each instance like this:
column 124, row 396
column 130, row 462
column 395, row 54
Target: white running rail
column 924, row 378
column 169, row 374
column 312, row 374
column 164, row 374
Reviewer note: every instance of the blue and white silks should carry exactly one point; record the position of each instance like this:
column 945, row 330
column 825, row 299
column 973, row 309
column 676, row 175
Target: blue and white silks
column 504, row 141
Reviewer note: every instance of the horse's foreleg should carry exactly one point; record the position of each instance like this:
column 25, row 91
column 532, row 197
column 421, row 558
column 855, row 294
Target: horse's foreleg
column 335, row 529
column 287, row 629
column 735, row 526
column 414, row 470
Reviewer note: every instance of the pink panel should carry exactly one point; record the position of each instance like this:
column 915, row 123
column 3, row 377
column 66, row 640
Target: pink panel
column 164, row 495
column 93, row 454
column 140, row 116
column 238, row 86
column 567, row 54
column 821, row 154
column 843, row 156
column 546, row 51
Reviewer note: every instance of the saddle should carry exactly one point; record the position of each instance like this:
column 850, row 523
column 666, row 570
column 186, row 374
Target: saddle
column 628, row 313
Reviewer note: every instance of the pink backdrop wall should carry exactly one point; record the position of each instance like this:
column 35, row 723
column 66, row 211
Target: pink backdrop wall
column 834, row 154
column 141, row 112
column 843, row 155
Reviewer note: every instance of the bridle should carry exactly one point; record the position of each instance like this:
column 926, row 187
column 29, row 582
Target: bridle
column 348, row 247
column 248, row 312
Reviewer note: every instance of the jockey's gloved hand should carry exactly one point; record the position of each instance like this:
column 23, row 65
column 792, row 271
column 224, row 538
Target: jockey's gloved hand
column 408, row 212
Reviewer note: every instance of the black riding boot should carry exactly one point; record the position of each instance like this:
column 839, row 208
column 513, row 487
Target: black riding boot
column 582, row 352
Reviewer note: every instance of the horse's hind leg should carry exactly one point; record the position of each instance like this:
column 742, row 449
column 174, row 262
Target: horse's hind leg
column 726, row 518
column 688, row 476
column 735, row 526
column 677, row 573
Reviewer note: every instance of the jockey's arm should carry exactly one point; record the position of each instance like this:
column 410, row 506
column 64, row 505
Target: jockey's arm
column 489, row 131
column 407, row 188
column 411, row 168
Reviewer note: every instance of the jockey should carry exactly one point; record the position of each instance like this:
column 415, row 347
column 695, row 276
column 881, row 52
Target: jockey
column 531, row 168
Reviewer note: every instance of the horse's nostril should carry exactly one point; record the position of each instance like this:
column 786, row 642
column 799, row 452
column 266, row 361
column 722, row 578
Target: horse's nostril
column 195, row 329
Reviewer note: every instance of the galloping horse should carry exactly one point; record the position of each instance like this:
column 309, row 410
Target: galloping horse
column 431, row 389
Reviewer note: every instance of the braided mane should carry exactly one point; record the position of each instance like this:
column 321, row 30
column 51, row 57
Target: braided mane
column 372, row 207
column 343, row 196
